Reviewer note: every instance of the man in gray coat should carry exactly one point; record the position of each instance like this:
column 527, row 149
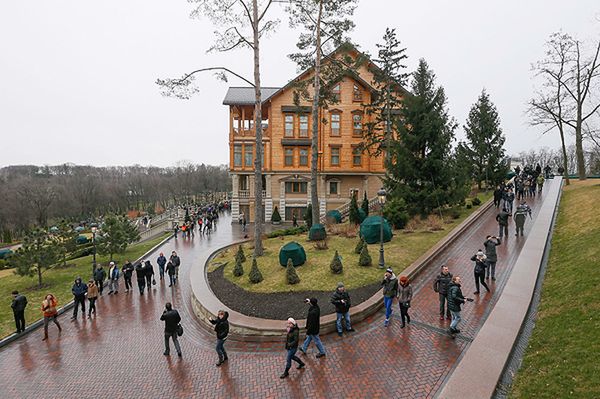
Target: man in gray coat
column 490, row 244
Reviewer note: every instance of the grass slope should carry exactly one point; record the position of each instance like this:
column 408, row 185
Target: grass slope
column 562, row 357
column 57, row 281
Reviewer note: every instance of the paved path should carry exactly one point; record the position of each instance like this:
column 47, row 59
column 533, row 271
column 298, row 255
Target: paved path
column 119, row 354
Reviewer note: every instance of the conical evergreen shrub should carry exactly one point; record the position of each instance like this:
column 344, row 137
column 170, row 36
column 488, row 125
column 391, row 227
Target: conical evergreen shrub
column 365, row 258
column 365, row 205
column 255, row 275
column 290, row 273
column 336, row 264
column 359, row 246
column 238, row 270
column 353, row 214
column 240, row 255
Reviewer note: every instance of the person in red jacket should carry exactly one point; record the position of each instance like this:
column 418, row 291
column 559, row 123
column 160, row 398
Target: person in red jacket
column 50, row 313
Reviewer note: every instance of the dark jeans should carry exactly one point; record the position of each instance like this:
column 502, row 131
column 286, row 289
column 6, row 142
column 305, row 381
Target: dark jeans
column 128, row 284
column 149, row 281
column 503, row 229
column 291, row 355
column 491, row 269
column 520, row 230
column 161, row 271
column 172, row 335
column 404, row 313
column 480, row 278
column 92, row 305
column 444, row 305
column 20, row 320
column 171, row 279
column 141, row 285
column 100, row 285
column 79, row 299
column 221, row 349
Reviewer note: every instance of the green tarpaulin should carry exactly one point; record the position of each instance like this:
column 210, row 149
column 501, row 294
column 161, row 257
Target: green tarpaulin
column 317, row 232
column 334, row 216
column 293, row 251
column 5, row 253
column 82, row 240
column 370, row 230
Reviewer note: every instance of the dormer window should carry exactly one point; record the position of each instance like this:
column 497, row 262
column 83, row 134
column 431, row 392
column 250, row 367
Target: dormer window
column 335, row 92
column 357, row 94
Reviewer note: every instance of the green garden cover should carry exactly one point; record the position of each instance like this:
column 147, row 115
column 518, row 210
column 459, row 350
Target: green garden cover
column 369, row 230
column 361, row 214
column 294, row 251
column 4, row 253
column 334, row 216
column 317, row 232
column 82, row 240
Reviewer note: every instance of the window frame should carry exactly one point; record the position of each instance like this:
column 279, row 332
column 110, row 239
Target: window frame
column 300, row 156
column 356, row 152
column 286, row 132
column 356, row 89
column 357, row 132
column 300, row 131
column 237, row 164
column 286, row 156
column 338, row 149
column 336, row 92
column 296, row 187
column 339, row 124
column 251, row 147
column 337, row 187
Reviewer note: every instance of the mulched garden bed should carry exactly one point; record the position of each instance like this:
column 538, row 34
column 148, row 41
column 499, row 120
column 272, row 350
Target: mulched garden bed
column 280, row 305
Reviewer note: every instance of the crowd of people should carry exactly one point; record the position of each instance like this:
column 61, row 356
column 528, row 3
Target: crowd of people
column 205, row 217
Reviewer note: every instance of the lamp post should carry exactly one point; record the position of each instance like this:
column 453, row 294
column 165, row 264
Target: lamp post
column 94, row 230
column 381, row 196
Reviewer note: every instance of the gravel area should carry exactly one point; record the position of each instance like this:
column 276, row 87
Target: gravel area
column 281, row 305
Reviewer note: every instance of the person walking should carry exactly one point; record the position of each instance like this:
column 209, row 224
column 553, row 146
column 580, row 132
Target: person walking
column 341, row 300
column 292, row 340
column 18, row 305
column 440, row 285
column 140, row 276
column 113, row 278
column 455, row 300
column 509, row 197
column 176, row 261
column 502, row 219
column 99, row 277
column 244, row 224
column 405, row 293
column 222, row 329
column 490, row 244
column 149, row 273
column 127, row 274
column 479, row 270
column 497, row 196
column 50, row 313
column 79, row 289
column 390, row 290
column 313, row 325
column 171, row 318
column 520, row 217
column 171, row 273
column 92, row 295
column 161, row 261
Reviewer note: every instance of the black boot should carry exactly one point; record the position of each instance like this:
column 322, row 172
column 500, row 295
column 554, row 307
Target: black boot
column 221, row 361
column 285, row 373
column 301, row 366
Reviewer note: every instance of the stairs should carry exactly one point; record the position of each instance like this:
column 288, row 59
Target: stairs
column 345, row 209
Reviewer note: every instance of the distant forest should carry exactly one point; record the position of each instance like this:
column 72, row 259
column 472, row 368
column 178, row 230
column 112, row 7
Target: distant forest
column 39, row 195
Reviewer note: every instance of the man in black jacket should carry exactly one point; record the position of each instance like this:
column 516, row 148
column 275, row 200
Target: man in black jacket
column 176, row 261
column 140, row 275
column 502, row 219
column 99, row 276
column 313, row 325
column 440, row 285
column 171, row 318
column 18, row 306
column 127, row 274
column 79, row 290
column 341, row 300
column 222, row 330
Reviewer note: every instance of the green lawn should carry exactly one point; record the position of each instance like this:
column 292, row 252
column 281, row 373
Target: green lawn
column 57, row 281
column 315, row 273
column 562, row 357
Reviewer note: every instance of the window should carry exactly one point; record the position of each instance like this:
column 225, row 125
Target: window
column 303, row 125
column 335, row 156
column 289, row 157
column 295, row 187
column 289, row 126
column 243, row 182
column 303, row 156
column 357, row 124
column 335, row 92
column 357, row 94
column 356, row 156
column 334, row 187
column 335, row 124
column 237, row 155
column 291, row 211
column 248, row 155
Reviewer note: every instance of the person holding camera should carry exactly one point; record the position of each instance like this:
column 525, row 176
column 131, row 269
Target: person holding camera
column 455, row 300
column 405, row 293
column 222, row 329
column 440, row 285
column 479, row 270
column 490, row 244
column 341, row 300
column 291, row 345
column 171, row 318
column 313, row 325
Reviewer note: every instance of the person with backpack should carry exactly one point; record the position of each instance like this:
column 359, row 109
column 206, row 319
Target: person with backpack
column 149, row 273
column 176, row 261
column 479, row 270
column 171, row 318
column 222, row 330
column 405, row 294
column 502, row 219
column 113, row 278
column 18, row 305
column 171, row 273
column 440, row 285
column 127, row 275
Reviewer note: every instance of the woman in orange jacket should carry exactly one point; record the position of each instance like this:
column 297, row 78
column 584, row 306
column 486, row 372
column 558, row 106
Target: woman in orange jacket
column 50, row 313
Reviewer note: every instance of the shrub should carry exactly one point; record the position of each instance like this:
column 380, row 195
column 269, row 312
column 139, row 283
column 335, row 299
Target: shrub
column 365, row 204
column 434, row 223
column 308, row 216
column 396, row 212
column 412, row 225
column 275, row 216
column 353, row 214
column 287, row 232
column 6, row 236
column 321, row 245
column 238, row 269
column 476, row 201
column 455, row 213
column 255, row 275
column 359, row 246
column 240, row 255
column 317, row 232
column 469, row 206
column 365, row 258
column 290, row 273
column 336, row 264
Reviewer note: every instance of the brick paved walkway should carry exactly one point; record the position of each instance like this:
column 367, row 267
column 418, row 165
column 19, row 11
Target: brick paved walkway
column 119, row 354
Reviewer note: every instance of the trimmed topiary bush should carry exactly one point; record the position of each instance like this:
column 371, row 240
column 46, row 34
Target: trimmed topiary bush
column 317, row 232
column 365, row 258
column 308, row 216
column 275, row 216
column 353, row 214
column 476, row 201
column 334, row 217
column 336, row 264
column 240, row 255
column 255, row 275
column 290, row 273
column 238, row 269
column 365, row 205
column 359, row 246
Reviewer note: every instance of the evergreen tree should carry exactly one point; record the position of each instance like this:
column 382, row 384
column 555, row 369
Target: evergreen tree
column 336, row 264
column 421, row 165
column 483, row 153
column 290, row 273
column 117, row 233
column 308, row 216
column 365, row 258
column 365, row 205
column 39, row 251
column 353, row 215
column 275, row 216
column 359, row 246
column 240, row 255
column 255, row 276
column 66, row 238
column 238, row 270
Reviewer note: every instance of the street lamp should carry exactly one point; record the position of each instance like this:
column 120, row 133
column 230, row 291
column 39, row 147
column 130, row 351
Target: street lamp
column 94, row 227
column 381, row 196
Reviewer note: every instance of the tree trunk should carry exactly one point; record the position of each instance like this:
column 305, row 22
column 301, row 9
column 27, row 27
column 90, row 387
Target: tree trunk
column 258, row 213
column 314, row 176
column 564, row 151
column 39, row 270
column 579, row 146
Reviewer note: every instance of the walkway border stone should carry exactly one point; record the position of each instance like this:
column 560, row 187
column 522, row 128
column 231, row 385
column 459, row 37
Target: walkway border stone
column 246, row 328
column 478, row 372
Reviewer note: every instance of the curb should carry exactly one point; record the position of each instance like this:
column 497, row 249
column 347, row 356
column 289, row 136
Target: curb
column 35, row 325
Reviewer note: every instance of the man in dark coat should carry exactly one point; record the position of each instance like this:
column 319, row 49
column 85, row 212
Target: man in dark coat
column 222, row 330
column 341, row 300
column 502, row 219
column 490, row 244
column 440, row 285
column 171, row 318
column 497, row 196
column 18, row 306
column 128, row 274
column 149, row 273
column 99, row 276
column 79, row 289
column 140, row 276
column 176, row 261
column 455, row 299
column 313, row 325
column 292, row 340
column 479, row 270
column 161, row 261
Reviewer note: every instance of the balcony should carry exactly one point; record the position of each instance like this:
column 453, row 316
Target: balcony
column 246, row 194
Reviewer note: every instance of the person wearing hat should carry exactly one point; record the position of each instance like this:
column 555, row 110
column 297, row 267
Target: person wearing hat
column 390, row 290
column 479, row 271
column 341, row 300
column 79, row 289
column 313, row 325
column 92, row 295
column 291, row 345
column 113, row 278
column 405, row 293
column 222, row 329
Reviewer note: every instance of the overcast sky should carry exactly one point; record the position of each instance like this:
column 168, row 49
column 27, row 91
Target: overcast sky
column 77, row 77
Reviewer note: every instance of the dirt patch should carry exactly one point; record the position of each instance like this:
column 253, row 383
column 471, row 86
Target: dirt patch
column 280, row 305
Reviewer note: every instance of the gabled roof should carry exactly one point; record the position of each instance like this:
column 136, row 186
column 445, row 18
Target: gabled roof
column 245, row 95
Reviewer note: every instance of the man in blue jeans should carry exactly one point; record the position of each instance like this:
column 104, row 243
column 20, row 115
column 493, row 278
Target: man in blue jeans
column 313, row 325
column 455, row 300
column 341, row 300
column 390, row 290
